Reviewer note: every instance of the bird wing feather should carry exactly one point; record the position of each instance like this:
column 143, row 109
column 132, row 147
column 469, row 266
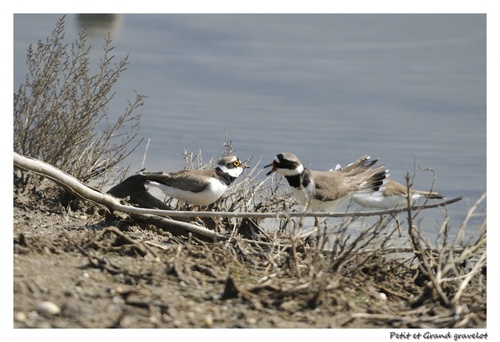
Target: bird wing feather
column 326, row 180
column 183, row 179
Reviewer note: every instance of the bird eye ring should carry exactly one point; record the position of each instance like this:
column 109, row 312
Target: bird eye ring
column 236, row 163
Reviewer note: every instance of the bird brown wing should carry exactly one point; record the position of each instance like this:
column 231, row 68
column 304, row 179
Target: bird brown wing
column 393, row 188
column 359, row 166
column 336, row 184
column 183, row 179
column 332, row 185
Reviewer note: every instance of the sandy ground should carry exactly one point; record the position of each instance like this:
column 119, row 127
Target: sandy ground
column 85, row 269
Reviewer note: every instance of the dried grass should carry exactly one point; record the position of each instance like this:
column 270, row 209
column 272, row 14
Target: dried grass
column 337, row 266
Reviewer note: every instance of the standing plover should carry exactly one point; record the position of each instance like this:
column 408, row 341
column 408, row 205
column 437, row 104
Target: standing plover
column 327, row 190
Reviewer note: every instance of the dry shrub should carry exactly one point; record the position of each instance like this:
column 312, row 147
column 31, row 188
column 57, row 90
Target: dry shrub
column 61, row 110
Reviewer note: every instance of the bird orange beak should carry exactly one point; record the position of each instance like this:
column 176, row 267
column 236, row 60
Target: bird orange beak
column 272, row 170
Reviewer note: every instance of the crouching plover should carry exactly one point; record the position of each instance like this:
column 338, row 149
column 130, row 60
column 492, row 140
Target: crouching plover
column 391, row 196
column 197, row 187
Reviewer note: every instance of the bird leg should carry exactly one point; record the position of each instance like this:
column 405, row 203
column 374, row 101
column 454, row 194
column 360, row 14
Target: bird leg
column 399, row 226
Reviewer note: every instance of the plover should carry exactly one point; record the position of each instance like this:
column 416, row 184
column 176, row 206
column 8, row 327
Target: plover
column 328, row 190
column 391, row 196
column 197, row 187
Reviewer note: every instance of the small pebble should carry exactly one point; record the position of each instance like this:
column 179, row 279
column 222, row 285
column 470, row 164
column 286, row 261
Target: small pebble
column 47, row 308
column 208, row 320
column 33, row 315
column 251, row 321
column 20, row 316
column 154, row 320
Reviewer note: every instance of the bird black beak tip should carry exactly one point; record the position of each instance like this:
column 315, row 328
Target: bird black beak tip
column 272, row 170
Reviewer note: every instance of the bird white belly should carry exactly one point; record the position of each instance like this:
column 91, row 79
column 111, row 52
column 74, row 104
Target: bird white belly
column 300, row 194
column 211, row 194
column 327, row 206
column 378, row 201
column 317, row 205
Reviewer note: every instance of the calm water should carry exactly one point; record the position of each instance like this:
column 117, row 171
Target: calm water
column 329, row 88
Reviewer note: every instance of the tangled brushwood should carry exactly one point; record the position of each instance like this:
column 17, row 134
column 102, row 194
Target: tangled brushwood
column 431, row 286
column 284, row 274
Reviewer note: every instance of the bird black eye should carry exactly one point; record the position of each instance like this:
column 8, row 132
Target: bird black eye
column 236, row 163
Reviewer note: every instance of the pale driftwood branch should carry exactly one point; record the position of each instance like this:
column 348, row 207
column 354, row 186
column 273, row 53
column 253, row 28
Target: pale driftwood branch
column 76, row 187
column 307, row 214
